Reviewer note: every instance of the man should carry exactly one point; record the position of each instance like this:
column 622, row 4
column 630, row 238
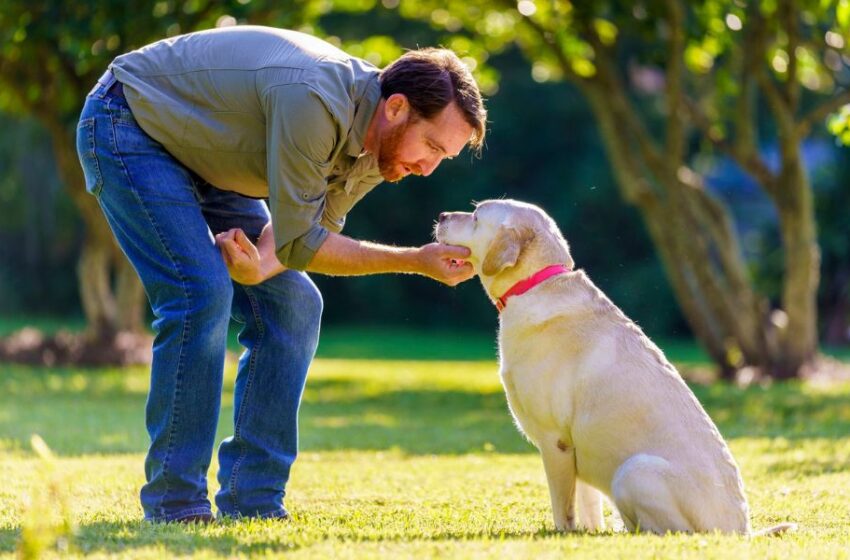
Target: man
column 179, row 141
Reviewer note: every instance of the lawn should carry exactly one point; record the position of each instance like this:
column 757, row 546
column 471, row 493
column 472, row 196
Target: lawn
column 414, row 455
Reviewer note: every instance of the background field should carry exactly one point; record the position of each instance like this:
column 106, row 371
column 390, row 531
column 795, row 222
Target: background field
column 406, row 457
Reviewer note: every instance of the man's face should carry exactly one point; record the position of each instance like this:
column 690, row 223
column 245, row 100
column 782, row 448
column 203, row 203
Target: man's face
column 411, row 144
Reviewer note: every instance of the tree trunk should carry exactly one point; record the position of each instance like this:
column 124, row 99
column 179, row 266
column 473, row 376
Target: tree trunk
column 695, row 238
column 797, row 335
column 692, row 230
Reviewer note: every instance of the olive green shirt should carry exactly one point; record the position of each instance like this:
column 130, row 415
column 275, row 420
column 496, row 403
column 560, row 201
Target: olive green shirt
column 267, row 113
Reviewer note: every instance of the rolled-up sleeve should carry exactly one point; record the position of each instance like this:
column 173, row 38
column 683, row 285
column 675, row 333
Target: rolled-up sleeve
column 301, row 137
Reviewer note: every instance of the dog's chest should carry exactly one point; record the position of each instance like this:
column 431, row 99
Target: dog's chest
column 538, row 384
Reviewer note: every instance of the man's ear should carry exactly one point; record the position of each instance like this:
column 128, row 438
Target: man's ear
column 505, row 249
column 396, row 107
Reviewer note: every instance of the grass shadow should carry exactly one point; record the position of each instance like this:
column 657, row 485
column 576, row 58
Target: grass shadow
column 791, row 410
column 9, row 540
column 174, row 540
column 416, row 422
column 455, row 422
column 81, row 412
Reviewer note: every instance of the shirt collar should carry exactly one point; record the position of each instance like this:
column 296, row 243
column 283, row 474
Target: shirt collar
column 363, row 112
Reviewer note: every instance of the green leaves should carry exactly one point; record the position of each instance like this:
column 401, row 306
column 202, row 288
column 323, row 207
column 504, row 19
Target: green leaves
column 606, row 30
column 378, row 49
column 838, row 125
column 698, row 59
column 842, row 14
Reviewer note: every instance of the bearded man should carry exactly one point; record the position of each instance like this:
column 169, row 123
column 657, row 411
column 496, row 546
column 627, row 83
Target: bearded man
column 225, row 162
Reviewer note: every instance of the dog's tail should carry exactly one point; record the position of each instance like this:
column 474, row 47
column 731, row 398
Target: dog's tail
column 776, row 530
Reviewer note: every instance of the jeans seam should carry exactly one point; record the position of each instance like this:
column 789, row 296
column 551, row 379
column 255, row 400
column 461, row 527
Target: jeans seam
column 243, row 450
column 186, row 322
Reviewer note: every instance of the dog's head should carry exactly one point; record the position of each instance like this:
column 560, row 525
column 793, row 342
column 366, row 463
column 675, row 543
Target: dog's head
column 508, row 241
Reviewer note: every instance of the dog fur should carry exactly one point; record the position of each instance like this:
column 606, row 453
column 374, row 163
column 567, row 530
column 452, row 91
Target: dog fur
column 609, row 414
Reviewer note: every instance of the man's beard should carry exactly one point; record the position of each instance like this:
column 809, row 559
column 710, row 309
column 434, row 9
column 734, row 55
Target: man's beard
column 388, row 154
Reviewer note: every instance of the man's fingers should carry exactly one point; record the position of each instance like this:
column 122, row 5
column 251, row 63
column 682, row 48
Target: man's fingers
column 459, row 273
column 242, row 241
column 225, row 254
column 234, row 251
column 230, row 235
column 463, row 270
column 455, row 252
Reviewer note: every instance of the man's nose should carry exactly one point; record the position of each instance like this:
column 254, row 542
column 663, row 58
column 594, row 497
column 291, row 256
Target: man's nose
column 428, row 167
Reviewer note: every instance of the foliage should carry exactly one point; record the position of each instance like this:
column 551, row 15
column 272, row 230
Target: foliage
column 544, row 144
column 52, row 51
column 566, row 174
column 410, row 459
column 668, row 80
column 839, row 125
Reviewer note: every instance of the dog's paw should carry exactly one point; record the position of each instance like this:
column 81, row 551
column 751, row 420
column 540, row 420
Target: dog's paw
column 566, row 525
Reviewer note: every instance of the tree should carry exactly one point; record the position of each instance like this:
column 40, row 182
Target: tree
column 667, row 82
column 51, row 54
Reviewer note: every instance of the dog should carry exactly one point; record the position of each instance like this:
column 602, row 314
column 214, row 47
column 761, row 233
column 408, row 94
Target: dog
column 609, row 414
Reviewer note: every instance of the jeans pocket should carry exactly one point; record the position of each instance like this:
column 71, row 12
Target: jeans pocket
column 88, row 157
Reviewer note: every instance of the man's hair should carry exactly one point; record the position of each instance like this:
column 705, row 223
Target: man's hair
column 431, row 79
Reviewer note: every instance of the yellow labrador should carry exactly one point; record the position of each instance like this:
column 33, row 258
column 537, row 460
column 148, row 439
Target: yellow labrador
column 600, row 401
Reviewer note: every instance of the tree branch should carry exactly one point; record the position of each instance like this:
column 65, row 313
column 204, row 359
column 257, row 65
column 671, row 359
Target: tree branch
column 752, row 56
column 748, row 160
column 820, row 112
column 788, row 20
column 675, row 69
column 69, row 69
column 618, row 101
column 548, row 37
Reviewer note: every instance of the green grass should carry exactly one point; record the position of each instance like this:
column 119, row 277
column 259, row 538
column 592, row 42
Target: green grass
column 404, row 458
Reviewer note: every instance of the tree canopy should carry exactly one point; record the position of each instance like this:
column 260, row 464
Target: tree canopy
column 666, row 88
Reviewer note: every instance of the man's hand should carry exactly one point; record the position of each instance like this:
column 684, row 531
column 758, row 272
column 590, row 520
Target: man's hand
column 445, row 263
column 241, row 256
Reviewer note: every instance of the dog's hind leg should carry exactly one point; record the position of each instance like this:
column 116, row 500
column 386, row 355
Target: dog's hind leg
column 559, row 462
column 643, row 490
column 589, row 507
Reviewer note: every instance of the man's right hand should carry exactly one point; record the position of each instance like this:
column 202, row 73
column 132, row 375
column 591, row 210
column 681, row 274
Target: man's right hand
column 342, row 256
column 445, row 263
column 241, row 256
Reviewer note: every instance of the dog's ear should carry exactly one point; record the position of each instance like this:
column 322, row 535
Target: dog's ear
column 505, row 249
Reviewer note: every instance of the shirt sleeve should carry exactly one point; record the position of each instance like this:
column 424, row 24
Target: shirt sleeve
column 301, row 138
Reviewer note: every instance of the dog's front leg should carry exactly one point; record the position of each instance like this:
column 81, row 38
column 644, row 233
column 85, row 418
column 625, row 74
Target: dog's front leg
column 559, row 462
column 589, row 507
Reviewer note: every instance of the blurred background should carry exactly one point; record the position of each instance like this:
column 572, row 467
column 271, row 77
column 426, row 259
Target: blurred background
column 693, row 155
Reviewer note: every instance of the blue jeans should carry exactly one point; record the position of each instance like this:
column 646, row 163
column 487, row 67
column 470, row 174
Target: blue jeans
column 164, row 218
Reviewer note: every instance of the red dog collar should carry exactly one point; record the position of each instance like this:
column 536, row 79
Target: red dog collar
column 524, row 285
